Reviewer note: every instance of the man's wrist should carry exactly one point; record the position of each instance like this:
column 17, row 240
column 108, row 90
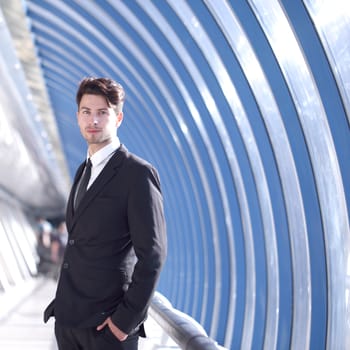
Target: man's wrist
column 116, row 330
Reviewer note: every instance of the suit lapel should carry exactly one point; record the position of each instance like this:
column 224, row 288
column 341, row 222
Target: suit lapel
column 70, row 203
column 108, row 172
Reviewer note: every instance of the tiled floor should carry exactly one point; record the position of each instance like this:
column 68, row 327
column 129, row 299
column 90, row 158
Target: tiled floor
column 21, row 324
column 22, row 327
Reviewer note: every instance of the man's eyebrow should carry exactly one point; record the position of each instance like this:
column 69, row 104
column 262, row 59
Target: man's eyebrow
column 99, row 109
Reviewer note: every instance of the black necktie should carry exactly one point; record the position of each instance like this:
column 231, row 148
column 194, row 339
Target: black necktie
column 83, row 183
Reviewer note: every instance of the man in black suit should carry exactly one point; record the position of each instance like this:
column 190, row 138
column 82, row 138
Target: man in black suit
column 117, row 237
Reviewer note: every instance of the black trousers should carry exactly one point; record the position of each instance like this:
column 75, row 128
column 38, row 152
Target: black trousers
column 92, row 339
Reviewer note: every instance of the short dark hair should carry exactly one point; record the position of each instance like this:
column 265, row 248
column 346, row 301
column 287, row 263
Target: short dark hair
column 112, row 91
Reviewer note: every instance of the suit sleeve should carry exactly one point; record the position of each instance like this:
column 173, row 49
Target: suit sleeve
column 148, row 235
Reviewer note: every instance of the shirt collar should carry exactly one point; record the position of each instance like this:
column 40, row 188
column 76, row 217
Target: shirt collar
column 104, row 152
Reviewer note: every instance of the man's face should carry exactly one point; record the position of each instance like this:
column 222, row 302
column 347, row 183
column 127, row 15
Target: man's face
column 97, row 121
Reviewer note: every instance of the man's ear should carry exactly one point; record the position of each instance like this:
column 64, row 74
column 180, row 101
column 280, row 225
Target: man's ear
column 119, row 119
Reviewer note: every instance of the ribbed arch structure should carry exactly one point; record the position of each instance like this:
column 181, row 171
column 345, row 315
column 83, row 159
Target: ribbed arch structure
column 244, row 108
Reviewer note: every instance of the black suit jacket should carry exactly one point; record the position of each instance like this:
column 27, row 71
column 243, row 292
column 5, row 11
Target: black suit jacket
column 116, row 247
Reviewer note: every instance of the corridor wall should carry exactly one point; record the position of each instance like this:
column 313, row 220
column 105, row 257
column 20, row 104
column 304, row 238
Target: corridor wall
column 28, row 175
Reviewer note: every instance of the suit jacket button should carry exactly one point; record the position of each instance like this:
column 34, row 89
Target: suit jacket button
column 71, row 241
column 65, row 265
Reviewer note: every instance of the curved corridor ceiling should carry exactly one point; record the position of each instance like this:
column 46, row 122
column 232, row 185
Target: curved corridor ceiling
column 244, row 107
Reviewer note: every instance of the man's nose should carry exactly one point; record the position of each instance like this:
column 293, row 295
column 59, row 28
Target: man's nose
column 94, row 118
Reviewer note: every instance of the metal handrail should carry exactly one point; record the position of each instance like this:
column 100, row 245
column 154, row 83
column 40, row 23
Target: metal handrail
column 183, row 329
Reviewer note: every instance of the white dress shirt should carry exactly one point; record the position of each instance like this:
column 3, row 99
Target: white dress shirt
column 100, row 159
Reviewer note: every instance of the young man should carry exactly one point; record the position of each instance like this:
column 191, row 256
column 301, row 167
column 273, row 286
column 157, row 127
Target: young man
column 117, row 238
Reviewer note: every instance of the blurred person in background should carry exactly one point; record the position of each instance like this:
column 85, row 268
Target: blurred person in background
column 44, row 233
column 59, row 239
